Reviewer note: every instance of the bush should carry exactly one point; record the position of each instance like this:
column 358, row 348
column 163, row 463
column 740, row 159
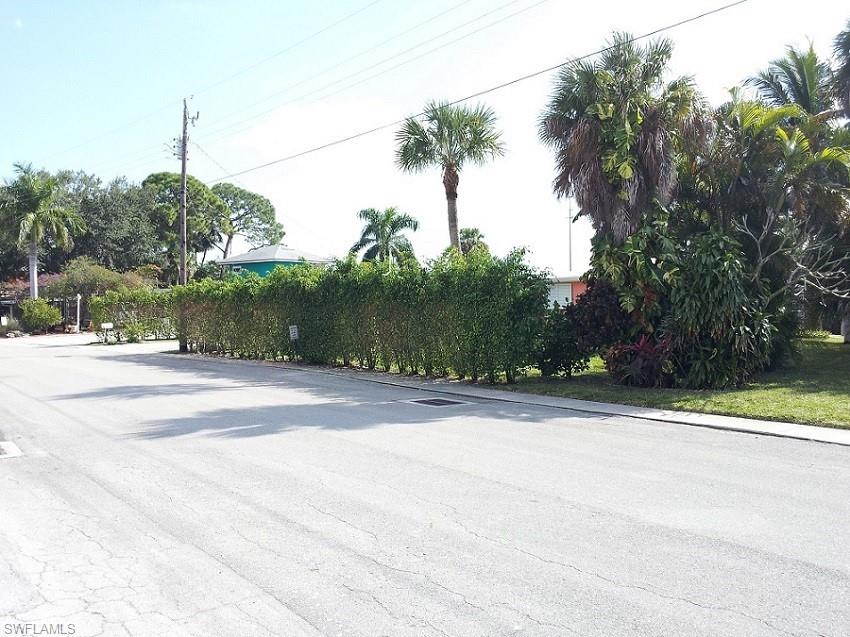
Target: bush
column 136, row 314
column 646, row 363
column 38, row 315
column 598, row 318
column 12, row 325
column 560, row 352
column 478, row 316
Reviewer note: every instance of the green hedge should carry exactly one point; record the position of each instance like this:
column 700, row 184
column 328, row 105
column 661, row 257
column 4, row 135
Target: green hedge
column 137, row 314
column 476, row 316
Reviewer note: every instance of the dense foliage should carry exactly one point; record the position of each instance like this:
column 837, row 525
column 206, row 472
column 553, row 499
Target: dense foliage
column 714, row 229
column 38, row 315
column 476, row 316
column 136, row 314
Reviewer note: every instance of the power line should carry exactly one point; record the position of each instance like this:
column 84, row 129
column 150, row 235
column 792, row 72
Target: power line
column 354, row 57
column 498, row 87
column 221, row 81
column 391, row 68
column 289, row 48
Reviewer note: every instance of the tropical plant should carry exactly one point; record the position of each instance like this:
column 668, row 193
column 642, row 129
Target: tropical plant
column 801, row 78
column 470, row 239
column 38, row 315
column 615, row 127
column 382, row 236
column 449, row 137
column 250, row 215
column 33, row 210
column 842, row 74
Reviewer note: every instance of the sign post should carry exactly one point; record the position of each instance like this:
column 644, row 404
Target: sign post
column 293, row 337
column 79, row 298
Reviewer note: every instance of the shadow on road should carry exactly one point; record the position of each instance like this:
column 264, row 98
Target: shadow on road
column 312, row 399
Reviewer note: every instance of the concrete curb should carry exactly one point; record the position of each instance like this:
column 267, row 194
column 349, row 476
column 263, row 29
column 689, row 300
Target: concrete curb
column 461, row 389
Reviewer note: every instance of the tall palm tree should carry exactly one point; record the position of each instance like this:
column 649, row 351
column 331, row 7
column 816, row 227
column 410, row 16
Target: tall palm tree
column 33, row 211
column 842, row 74
column 449, row 137
column 615, row 126
column 801, row 78
column 382, row 236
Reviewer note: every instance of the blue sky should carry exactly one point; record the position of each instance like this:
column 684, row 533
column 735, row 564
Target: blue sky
column 97, row 86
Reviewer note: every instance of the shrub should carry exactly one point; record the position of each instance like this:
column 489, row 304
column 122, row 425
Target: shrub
column 136, row 314
column 38, row 315
column 12, row 325
column 477, row 315
column 560, row 352
column 646, row 363
column 598, row 318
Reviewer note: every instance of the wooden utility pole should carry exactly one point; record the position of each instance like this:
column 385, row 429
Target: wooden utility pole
column 183, row 147
column 184, row 143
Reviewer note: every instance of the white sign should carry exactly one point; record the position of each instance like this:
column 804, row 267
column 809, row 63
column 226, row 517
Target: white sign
column 293, row 332
column 4, row 321
column 106, row 326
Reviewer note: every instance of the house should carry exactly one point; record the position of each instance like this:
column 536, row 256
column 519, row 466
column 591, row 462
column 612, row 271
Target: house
column 565, row 289
column 263, row 260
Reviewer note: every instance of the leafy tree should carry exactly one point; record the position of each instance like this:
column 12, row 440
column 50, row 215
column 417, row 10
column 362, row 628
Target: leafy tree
column 382, row 235
column 615, row 127
column 207, row 217
column 450, row 137
column 120, row 232
column 801, row 78
column 250, row 215
column 471, row 238
column 32, row 210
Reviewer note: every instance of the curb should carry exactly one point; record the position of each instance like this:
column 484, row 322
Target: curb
column 776, row 429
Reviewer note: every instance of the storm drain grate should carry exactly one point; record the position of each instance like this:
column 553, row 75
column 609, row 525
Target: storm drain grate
column 437, row 402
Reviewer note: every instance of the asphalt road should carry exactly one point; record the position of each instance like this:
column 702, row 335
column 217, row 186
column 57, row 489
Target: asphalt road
column 167, row 495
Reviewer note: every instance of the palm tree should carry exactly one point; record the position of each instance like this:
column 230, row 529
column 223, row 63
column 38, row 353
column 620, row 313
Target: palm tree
column 615, row 126
column 382, row 236
column 33, row 211
column 801, row 78
column 842, row 74
column 471, row 238
column 449, row 137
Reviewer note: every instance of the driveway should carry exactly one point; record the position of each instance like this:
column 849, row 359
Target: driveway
column 166, row 495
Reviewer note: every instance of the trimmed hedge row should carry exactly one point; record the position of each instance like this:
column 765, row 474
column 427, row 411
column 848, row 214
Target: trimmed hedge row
column 137, row 314
column 476, row 316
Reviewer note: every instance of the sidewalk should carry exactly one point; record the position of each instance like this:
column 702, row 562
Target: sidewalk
column 712, row 421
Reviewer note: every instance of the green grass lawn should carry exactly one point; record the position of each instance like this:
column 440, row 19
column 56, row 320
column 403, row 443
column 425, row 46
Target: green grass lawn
column 814, row 390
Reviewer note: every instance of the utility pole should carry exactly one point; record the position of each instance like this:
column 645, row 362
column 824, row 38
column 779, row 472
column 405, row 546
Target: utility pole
column 183, row 147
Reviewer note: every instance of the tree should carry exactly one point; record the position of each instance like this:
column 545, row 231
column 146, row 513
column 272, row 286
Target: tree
column 207, row 217
column 120, row 232
column 450, row 137
column 471, row 238
column 615, row 127
column 842, row 74
column 251, row 216
column 798, row 78
column 32, row 209
column 382, row 236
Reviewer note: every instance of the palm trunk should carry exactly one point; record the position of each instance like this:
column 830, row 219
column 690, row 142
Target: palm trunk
column 450, row 183
column 33, row 269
